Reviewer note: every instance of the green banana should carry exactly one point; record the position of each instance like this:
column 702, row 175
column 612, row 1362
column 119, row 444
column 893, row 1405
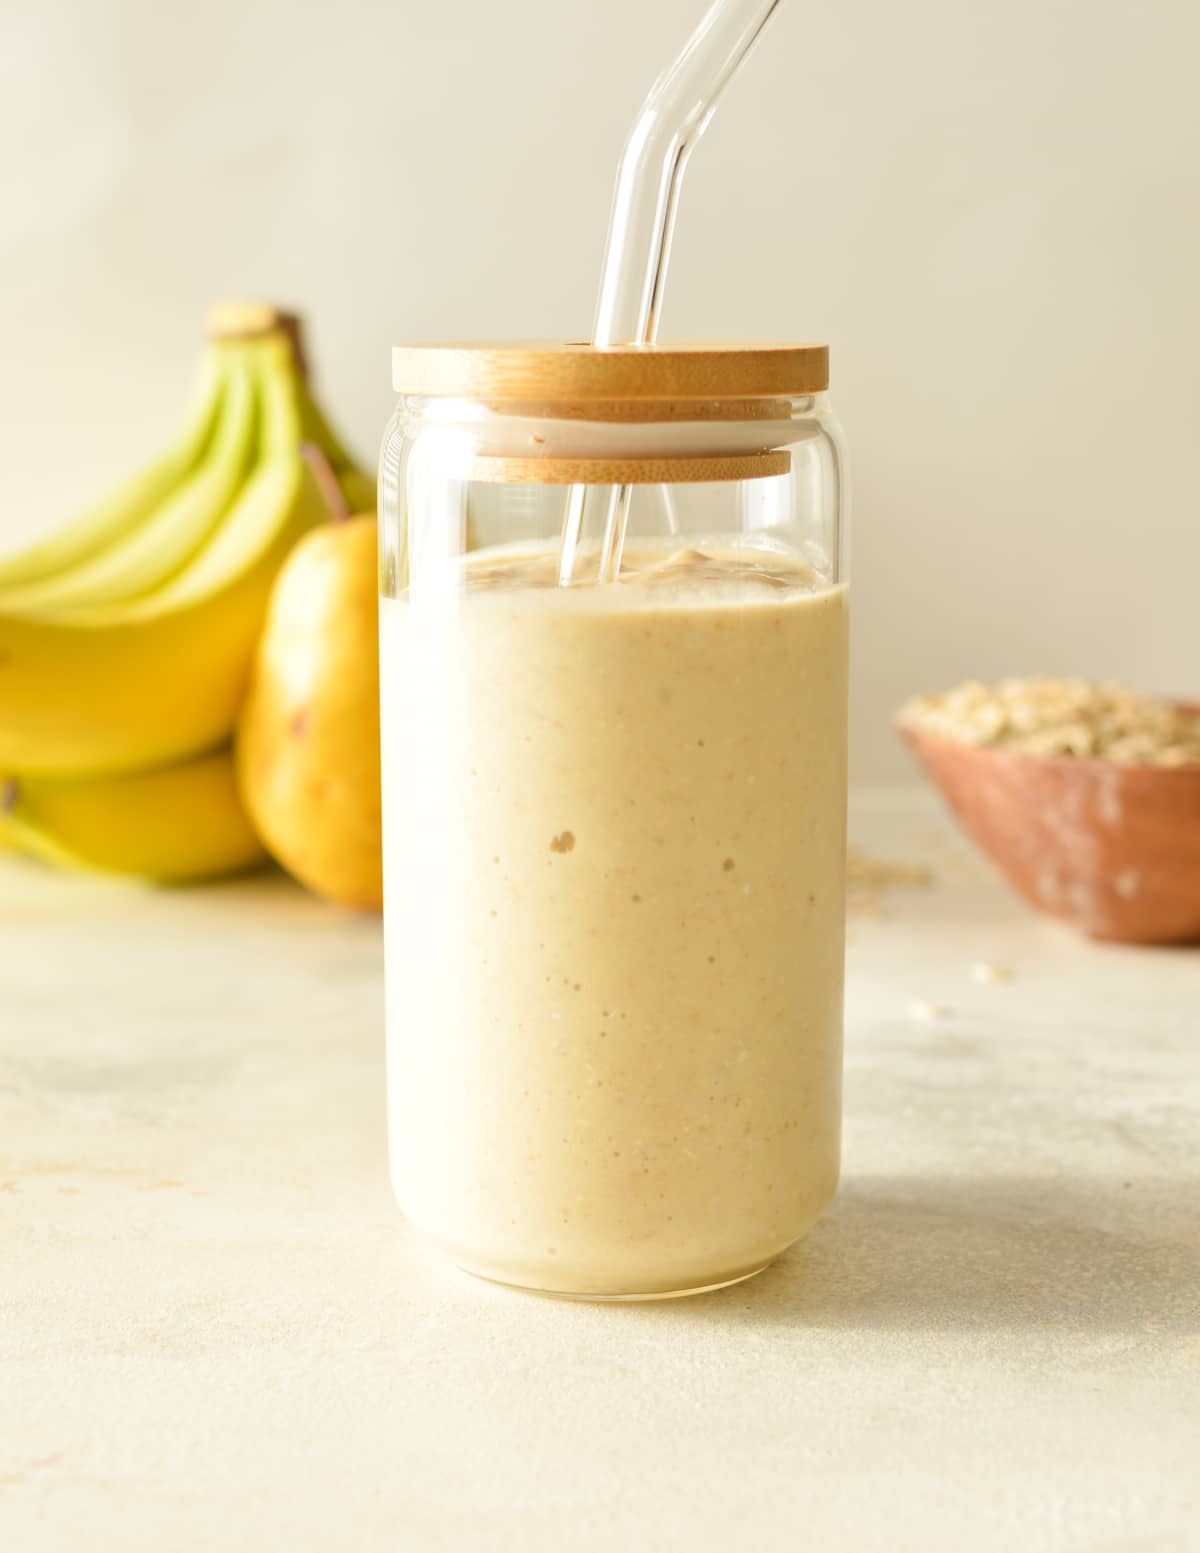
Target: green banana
column 126, row 642
column 171, row 824
column 358, row 489
column 315, row 428
column 124, row 509
column 156, row 548
column 267, row 503
column 157, row 678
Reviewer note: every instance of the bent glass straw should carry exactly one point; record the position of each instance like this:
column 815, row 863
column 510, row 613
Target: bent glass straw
column 677, row 111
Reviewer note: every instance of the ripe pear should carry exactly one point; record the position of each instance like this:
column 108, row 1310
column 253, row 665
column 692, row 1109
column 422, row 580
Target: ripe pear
column 308, row 738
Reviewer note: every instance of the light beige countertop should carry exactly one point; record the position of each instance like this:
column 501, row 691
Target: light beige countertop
column 216, row 1333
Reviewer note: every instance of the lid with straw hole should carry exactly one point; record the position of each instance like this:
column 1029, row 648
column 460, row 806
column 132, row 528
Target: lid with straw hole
column 677, row 382
column 538, row 371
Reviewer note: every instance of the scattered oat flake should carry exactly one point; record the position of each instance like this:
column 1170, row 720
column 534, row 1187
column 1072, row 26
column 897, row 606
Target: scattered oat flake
column 868, row 879
column 924, row 1012
column 984, row 972
column 873, row 871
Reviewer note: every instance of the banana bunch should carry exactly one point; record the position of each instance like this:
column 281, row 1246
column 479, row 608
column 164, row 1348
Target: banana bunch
column 127, row 637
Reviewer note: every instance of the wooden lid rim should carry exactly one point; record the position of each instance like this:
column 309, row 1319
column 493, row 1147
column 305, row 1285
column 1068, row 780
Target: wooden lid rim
column 536, row 371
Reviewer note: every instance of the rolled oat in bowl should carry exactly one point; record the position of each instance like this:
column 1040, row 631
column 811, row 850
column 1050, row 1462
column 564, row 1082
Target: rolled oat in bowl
column 1076, row 717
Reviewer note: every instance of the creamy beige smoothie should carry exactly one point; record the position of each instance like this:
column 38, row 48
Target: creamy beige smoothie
column 614, row 857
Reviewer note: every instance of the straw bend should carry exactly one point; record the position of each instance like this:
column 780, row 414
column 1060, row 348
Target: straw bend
column 673, row 117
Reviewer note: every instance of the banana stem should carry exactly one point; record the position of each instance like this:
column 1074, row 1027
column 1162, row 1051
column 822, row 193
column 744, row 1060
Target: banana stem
column 292, row 325
column 229, row 321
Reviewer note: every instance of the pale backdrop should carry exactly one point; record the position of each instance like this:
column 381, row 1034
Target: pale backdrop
column 991, row 211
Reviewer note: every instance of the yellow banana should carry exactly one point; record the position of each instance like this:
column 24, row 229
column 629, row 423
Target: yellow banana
column 156, row 548
column 171, row 824
column 161, row 677
column 122, row 510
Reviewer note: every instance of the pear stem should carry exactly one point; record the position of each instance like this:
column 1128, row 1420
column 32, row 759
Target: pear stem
column 326, row 480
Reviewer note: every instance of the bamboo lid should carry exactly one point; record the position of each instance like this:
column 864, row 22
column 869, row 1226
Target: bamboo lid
column 537, row 372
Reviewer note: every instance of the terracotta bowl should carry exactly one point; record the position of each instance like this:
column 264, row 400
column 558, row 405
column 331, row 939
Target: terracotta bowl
column 1114, row 850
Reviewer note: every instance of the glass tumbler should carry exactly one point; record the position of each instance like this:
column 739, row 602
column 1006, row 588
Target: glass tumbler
column 613, row 637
